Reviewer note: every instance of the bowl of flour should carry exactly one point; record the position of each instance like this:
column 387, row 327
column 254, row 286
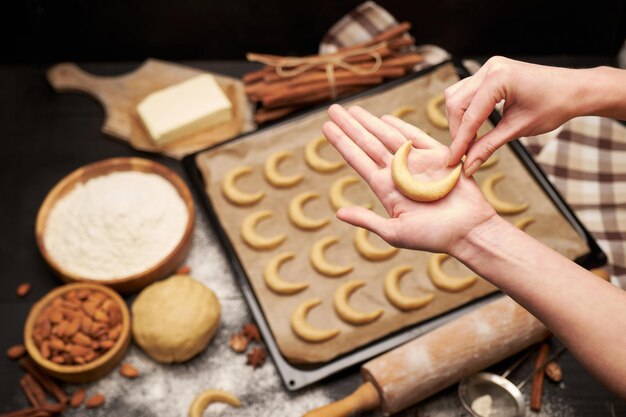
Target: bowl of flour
column 121, row 222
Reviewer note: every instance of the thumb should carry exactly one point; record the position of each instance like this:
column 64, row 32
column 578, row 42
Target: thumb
column 484, row 147
column 367, row 219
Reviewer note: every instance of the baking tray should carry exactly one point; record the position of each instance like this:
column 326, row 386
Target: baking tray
column 298, row 376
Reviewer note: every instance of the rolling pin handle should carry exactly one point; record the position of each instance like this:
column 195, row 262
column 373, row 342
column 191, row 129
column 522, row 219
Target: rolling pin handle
column 366, row 397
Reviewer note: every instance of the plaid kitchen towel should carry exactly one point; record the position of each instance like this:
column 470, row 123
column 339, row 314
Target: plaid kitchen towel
column 585, row 158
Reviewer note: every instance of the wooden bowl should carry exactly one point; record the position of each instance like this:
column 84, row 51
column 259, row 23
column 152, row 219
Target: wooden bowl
column 89, row 371
column 135, row 282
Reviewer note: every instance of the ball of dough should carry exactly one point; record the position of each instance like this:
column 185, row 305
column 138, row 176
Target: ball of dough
column 175, row 319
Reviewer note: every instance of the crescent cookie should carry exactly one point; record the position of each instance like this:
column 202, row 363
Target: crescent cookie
column 348, row 313
column 523, row 222
column 315, row 161
column 434, row 113
column 273, row 280
column 501, row 206
column 304, row 330
column 250, row 236
column 402, row 111
column 369, row 251
column 204, row 399
column 337, row 199
column 297, row 216
column 235, row 195
column 273, row 176
column 444, row 281
column 419, row 190
column 320, row 263
column 395, row 296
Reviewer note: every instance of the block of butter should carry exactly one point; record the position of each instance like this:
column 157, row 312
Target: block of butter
column 183, row 109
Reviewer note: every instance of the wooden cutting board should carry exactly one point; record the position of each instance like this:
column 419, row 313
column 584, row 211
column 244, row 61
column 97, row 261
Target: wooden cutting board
column 120, row 95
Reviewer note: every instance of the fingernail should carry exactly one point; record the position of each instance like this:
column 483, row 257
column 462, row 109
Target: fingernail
column 469, row 171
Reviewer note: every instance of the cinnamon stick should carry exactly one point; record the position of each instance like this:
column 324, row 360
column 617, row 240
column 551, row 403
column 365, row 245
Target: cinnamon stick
column 286, row 96
column 46, row 382
column 32, row 390
column 267, row 115
column 28, row 412
column 537, row 384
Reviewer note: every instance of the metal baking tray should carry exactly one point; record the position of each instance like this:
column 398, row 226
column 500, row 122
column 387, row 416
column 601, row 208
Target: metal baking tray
column 296, row 376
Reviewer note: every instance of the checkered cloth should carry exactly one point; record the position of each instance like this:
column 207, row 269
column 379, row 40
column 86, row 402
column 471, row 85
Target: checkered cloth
column 585, row 158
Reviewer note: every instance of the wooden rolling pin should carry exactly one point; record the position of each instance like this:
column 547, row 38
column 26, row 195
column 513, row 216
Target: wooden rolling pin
column 418, row 369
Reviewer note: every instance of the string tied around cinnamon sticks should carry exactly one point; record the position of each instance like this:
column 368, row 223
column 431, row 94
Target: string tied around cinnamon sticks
column 288, row 67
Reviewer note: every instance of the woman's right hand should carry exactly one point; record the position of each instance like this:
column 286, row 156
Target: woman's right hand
column 537, row 99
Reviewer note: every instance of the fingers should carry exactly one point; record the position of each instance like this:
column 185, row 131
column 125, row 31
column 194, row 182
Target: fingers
column 386, row 133
column 367, row 219
column 360, row 135
column 483, row 148
column 350, row 151
column 419, row 138
column 488, row 95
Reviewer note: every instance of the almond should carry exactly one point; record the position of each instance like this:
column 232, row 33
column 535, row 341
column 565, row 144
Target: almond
column 23, row 289
column 107, row 344
column 90, row 308
column 45, row 349
column 82, row 339
column 95, row 401
column 16, row 352
column 129, row 371
column 85, row 324
column 73, row 327
column 115, row 332
column 101, row 316
column 58, row 359
column 57, row 344
column 78, row 397
column 92, row 355
column 77, row 350
column 56, row 316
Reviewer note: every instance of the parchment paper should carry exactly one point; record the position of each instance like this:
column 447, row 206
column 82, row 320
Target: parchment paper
column 550, row 227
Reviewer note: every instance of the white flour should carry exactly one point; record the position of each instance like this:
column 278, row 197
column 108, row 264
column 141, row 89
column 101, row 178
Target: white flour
column 115, row 225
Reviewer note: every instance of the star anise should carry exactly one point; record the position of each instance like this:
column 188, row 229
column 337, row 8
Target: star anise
column 256, row 357
column 251, row 332
column 238, row 342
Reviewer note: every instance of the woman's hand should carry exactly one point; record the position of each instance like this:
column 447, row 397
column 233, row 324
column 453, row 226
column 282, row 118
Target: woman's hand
column 368, row 143
column 537, row 99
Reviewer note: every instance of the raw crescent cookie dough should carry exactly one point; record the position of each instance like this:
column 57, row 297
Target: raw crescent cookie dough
column 175, row 319
column 233, row 194
column 523, row 222
column 204, row 399
column 403, row 111
column 304, row 330
column 395, row 296
column 250, row 236
column 346, row 311
column 320, row 263
column 337, row 199
column 419, row 190
column 273, row 176
column 369, row 251
column 434, row 113
column 315, row 161
column 501, row 206
column 444, row 281
column 297, row 216
column 273, row 280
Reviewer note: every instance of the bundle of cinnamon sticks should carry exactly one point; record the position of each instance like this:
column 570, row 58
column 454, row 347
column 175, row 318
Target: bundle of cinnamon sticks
column 301, row 82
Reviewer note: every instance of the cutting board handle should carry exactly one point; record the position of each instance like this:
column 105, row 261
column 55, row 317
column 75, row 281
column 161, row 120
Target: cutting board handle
column 365, row 398
column 67, row 76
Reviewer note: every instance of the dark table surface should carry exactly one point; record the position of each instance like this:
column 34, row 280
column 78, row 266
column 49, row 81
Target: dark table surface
column 45, row 135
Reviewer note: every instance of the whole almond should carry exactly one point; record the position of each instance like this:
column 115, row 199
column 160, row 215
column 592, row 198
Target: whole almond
column 73, row 327
column 95, row 401
column 107, row 344
column 82, row 339
column 23, row 289
column 16, row 352
column 115, row 332
column 57, row 344
column 58, row 359
column 101, row 316
column 77, row 350
column 129, row 371
column 78, row 397
column 45, row 349
column 56, row 316
column 85, row 324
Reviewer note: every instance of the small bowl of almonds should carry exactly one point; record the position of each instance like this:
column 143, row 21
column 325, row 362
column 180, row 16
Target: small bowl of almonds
column 78, row 332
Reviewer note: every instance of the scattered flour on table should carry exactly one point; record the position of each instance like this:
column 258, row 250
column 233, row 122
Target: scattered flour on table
column 116, row 225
